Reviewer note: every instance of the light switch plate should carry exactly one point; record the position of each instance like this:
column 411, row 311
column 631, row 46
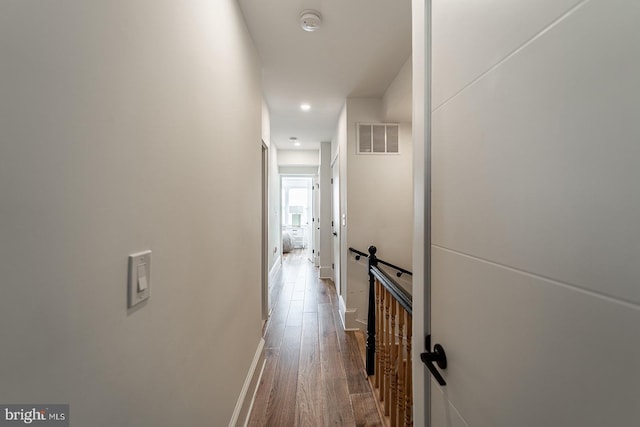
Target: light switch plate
column 139, row 277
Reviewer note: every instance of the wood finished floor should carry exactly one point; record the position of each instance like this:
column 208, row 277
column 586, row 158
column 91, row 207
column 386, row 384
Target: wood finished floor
column 314, row 374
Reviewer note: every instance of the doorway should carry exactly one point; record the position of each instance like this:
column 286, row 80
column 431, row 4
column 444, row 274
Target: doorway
column 297, row 215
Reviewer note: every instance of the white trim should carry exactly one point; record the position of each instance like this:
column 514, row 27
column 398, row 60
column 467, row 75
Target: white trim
column 335, row 157
column 244, row 405
column 421, row 133
column 264, row 261
column 273, row 274
column 363, row 324
column 347, row 316
column 275, row 270
column 326, row 272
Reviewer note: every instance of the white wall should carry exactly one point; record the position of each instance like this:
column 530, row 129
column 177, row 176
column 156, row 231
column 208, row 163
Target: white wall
column 299, row 158
column 396, row 102
column 298, row 170
column 122, row 131
column 379, row 194
column 535, row 208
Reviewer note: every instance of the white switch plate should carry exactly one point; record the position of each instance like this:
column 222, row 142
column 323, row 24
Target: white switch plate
column 139, row 277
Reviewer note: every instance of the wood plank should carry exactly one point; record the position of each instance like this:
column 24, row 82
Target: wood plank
column 309, row 401
column 296, row 309
column 298, row 291
column 309, row 377
column 311, row 297
column 323, row 292
column 265, row 388
column 356, row 373
column 362, row 345
column 281, row 408
column 365, row 411
column 311, row 278
column 354, row 369
column 337, row 409
column 276, row 325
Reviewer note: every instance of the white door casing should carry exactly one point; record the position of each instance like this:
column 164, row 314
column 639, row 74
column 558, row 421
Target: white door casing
column 316, row 221
column 421, row 70
column 310, row 228
column 264, row 274
column 335, row 222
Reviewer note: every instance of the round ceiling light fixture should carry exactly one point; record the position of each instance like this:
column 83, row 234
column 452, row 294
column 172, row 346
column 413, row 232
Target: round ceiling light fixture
column 295, row 141
column 310, row 20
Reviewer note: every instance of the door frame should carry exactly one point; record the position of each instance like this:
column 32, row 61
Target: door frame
column 310, row 240
column 335, row 224
column 264, row 271
column 421, row 128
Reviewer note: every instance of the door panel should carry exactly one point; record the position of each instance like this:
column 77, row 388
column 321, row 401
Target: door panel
column 524, row 351
column 469, row 37
column 443, row 412
column 534, row 245
column 529, row 179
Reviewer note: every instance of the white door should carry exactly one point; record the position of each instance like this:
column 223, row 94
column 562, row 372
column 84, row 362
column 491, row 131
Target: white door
column 535, row 242
column 335, row 222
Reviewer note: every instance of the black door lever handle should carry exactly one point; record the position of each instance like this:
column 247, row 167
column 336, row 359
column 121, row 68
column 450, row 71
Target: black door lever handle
column 439, row 357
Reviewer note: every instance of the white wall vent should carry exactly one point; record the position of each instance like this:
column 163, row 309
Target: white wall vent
column 377, row 138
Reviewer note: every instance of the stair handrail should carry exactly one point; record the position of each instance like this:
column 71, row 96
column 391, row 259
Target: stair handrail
column 397, row 291
column 400, row 270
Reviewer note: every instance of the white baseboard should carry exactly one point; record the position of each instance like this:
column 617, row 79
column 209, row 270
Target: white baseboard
column 275, row 270
column 326, row 272
column 244, row 404
column 348, row 316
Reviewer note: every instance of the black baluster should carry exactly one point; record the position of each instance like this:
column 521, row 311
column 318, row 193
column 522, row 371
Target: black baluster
column 371, row 314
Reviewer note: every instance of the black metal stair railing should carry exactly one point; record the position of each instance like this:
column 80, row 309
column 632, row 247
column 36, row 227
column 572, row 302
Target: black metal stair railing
column 388, row 343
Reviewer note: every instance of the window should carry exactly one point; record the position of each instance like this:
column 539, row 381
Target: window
column 296, row 201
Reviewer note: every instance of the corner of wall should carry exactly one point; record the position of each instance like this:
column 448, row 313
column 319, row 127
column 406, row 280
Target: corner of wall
column 326, row 272
column 266, row 124
column 348, row 316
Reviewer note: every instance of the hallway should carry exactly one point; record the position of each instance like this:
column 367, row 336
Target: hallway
column 314, row 373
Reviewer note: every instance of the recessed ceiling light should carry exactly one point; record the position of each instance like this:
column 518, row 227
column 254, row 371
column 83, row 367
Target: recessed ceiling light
column 295, row 141
column 305, row 107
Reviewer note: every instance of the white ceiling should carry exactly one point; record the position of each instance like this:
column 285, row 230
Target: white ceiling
column 357, row 52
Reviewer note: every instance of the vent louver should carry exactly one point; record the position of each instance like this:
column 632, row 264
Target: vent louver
column 377, row 138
